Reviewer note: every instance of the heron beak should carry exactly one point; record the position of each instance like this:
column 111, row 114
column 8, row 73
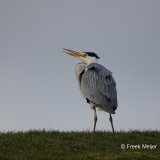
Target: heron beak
column 74, row 53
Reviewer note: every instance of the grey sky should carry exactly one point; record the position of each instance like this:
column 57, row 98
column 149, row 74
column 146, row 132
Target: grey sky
column 38, row 88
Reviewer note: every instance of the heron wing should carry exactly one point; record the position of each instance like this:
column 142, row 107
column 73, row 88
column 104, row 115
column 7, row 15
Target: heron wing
column 99, row 86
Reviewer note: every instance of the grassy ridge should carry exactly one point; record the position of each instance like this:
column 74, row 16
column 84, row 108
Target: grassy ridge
column 55, row 145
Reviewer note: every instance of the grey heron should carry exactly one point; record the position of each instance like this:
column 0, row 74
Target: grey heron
column 96, row 84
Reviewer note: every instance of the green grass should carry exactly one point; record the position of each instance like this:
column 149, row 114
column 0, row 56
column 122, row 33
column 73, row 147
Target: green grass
column 55, row 145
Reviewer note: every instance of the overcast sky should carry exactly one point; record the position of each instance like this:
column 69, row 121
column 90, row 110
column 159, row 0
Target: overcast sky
column 38, row 87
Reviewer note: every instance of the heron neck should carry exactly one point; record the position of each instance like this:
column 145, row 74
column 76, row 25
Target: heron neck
column 80, row 67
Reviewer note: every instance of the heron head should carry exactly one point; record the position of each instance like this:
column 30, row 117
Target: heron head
column 86, row 57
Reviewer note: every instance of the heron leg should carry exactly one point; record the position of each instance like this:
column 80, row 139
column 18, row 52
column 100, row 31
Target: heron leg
column 95, row 121
column 111, row 120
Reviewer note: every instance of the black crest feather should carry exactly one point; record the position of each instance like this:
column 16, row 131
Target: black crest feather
column 92, row 54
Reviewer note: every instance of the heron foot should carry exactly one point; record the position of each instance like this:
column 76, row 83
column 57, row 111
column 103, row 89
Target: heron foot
column 92, row 143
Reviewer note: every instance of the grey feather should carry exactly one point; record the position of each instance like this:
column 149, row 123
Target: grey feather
column 97, row 85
